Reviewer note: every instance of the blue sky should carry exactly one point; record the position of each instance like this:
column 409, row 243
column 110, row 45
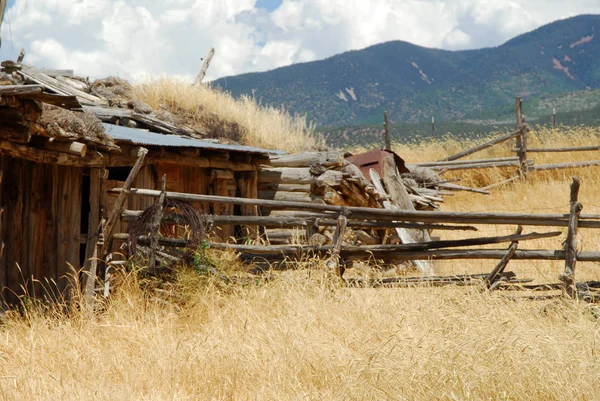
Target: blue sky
column 268, row 4
column 137, row 39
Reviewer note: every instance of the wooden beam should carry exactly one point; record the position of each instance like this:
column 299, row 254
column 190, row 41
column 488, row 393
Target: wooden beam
column 333, row 264
column 542, row 167
column 155, row 227
column 119, row 204
column 483, row 146
column 466, row 162
column 307, row 159
column 75, row 148
column 526, row 219
column 497, row 271
column 11, row 90
column 557, row 150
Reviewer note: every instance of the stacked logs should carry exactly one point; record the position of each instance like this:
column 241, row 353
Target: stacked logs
column 328, row 178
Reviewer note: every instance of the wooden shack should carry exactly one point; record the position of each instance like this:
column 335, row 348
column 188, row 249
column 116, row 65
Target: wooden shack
column 62, row 149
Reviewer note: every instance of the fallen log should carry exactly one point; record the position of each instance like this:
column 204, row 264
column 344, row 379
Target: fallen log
column 306, row 159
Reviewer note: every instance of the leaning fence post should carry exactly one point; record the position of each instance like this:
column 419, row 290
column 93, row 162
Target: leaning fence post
column 521, row 139
column 499, row 269
column 155, row 228
column 568, row 276
column 334, row 261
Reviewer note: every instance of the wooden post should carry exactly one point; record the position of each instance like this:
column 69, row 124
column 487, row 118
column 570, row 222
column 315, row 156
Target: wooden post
column 21, row 56
column 119, row 204
column 334, row 261
column 155, row 228
column 495, row 274
column 521, row 139
column 90, row 267
column 386, row 128
column 432, row 126
column 554, row 117
column 205, row 65
column 568, row 276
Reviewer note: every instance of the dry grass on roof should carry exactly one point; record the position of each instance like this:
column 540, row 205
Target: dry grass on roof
column 220, row 116
column 68, row 125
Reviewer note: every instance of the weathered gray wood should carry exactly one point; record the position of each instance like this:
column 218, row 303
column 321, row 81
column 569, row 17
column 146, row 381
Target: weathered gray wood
column 568, row 276
column 498, row 184
column 478, row 166
column 455, row 187
column 386, row 131
column 341, row 224
column 568, row 149
column 338, row 238
column 306, row 159
column 521, row 139
column 497, row 271
column 285, row 175
column 75, row 148
column 119, row 204
column 55, row 73
column 205, row 65
column 320, row 220
column 483, row 146
column 554, row 166
column 285, row 196
column 91, row 249
column 465, row 162
column 155, row 225
column 11, row 90
column 56, row 86
column 556, row 220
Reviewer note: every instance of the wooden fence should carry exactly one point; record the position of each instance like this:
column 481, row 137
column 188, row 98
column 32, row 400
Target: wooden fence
column 520, row 160
column 338, row 254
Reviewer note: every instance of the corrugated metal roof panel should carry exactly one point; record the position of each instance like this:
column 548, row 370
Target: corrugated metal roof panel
column 142, row 137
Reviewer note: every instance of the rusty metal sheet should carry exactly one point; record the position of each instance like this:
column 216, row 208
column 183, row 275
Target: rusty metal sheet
column 373, row 160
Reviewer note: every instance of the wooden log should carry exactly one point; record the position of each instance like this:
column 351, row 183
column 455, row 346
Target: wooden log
column 465, row 162
column 90, row 268
column 57, row 73
column 75, row 148
column 155, row 224
column 557, row 166
column 16, row 133
column 483, row 146
column 405, row 235
column 286, row 175
column 568, row 276
column 284, row 187
column 119, row 204
column 333, row 264
column 306, row 159
column 497, row 271
column 478, row 166
column 498, row 184
column 569, row 149
column 455, row 187
column 285, row 196
column 15, row 90
column 525, row 219
column 331, row 178
column 320, row 220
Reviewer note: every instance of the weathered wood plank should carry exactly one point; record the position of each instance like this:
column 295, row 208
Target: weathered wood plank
column 90, row 270
column 568, row 276
column 483, row 146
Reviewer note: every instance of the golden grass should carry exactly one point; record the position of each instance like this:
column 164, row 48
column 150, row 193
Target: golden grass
column 204, row 107
column 302, row 337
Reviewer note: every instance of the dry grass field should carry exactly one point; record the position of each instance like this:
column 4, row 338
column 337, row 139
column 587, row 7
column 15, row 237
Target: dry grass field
column 303, row 337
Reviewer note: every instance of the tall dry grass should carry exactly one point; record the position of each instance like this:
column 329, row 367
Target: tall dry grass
column 260, row 126
column 301, row 336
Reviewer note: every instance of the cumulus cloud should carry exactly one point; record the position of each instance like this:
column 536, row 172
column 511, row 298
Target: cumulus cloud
column 140, row 38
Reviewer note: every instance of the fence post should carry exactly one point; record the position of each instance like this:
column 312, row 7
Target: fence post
column 521, row 139
column 386, row 127
column 155, row 225
column 554, row 117
column 568, row 276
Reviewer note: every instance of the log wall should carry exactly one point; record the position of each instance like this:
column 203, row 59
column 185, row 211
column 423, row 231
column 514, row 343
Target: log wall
column 41, row 226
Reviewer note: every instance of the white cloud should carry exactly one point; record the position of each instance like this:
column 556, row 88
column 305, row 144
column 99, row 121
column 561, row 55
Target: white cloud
column 139, row 38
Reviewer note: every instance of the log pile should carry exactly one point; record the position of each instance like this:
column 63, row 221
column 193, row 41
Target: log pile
column 329, row 178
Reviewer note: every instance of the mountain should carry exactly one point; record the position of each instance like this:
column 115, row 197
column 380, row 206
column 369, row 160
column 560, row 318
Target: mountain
column 414, row 83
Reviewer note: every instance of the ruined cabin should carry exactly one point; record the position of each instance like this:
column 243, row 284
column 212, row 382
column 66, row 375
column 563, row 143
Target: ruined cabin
column 63, row 146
